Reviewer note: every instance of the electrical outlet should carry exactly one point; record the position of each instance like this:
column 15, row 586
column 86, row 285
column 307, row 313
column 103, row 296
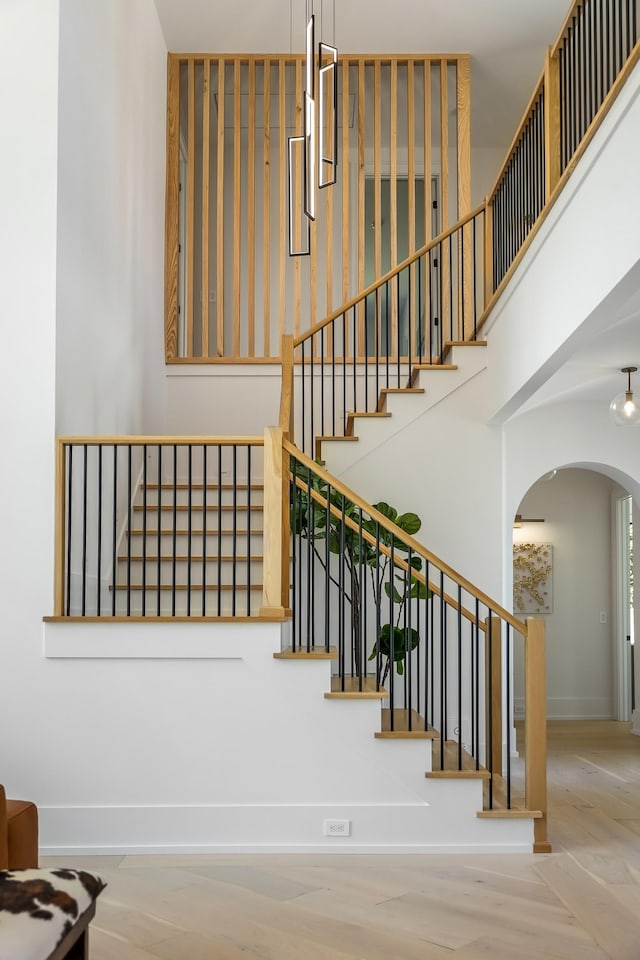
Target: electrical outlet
column 337, row 828
column 603, row 616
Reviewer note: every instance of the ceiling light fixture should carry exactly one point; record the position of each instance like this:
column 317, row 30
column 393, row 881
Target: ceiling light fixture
column 624, row 409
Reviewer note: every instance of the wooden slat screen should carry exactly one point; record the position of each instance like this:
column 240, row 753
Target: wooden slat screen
column 231, row 288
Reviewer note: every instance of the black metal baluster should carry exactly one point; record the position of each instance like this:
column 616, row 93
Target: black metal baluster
column 344, row 372
column 311, row 570
column 378, row 597
column 99, row 532
column 508, row 709
column 391, row 661
column 312, row 392
column 341, row 614
column 144, row 530
column 398, row 328
column 129, row 527
column 408, row 645
column 354, row 352
column 204, row 530
column 174, row 530
column 248, row 530
column 377, row 342
column 70, row 528
column 83, row 605
column 322, row 358
column 333, row 379
column 220, row 521
column 234, row 527
column 489, row 704
column 365, row 360
column 295, row 522
column 327, row 573
column 361, row 651
column 443, row 674
column 159, row 536
column 189, row 522
column 459, row 617
column 304, row 424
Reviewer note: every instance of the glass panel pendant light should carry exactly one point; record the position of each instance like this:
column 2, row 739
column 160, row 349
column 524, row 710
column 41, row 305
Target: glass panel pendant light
column 624, row 409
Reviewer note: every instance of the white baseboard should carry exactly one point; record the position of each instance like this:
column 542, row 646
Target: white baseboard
column 274, row 828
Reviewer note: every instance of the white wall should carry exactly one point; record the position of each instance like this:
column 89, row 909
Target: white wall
column 28, row 186
column 110, row 363
column 576, row 508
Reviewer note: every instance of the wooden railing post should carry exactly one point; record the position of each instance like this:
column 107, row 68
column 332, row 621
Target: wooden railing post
column 493, row 686
column 536, row 730
column 59, row 534
column 551, row 123
column 275, row 589
column 286, row 394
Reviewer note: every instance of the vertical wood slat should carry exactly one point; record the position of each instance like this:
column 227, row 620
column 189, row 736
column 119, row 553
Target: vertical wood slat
column 220, row 213
column 411, row 200
column 237, row 199
column 251, row 213
column 467, row 255
column 191, row 164
column 266, row 209
column 551, row 123
column 426, row 334
column 536, row 730
column 377, row 167
column 393, row 198
column 206, row 107
column 60, row 514
column 444, row 198
column 282, row 296
column 488, row 251
column 298, row 175
column 329, row 252
column 361, row 186
column 345, row 180
column 172, row 210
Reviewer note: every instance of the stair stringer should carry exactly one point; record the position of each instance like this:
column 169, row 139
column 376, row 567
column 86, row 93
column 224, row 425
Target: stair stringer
column 438, row 384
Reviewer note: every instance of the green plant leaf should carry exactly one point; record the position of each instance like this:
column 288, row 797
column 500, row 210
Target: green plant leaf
column 409, row 522
column 397, row 596
column 387, row 511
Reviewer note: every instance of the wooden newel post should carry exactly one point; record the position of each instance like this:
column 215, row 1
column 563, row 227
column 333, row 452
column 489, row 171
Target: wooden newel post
column 488, row 250
column 551, row 123
column 493, row 683
column 536, row 730
column 275, row 589
column 286, row 394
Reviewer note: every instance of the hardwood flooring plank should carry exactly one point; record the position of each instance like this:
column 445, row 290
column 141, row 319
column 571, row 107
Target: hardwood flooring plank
column 610, row 924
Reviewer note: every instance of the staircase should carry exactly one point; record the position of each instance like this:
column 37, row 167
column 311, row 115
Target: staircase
column 203, row 546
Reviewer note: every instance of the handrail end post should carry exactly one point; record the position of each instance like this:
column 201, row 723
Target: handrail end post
column 275, row 581
column 536, row 729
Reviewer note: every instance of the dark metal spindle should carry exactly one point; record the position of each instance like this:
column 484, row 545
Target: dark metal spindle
column 508, row 712
column 398, row 331
column 159, row 535
column 293, row 500
column 489, row 704
column 248, row 531
column 312, row 392
column 69, row 530
column 304, row 423
column 204, row 530
column 341, row 610
column 310, row 571
column 327, row 574
column 174, row 531
column 234, row 527
column 219, row 594
column 459, row 618
column 129, row 505
column 84, row 530
column 333, row 378
column 144, row 530
column 99, row 558
column 189, row 522
column 322, row 383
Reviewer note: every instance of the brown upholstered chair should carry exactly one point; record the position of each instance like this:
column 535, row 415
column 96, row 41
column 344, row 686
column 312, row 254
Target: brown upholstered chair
column 18, row 833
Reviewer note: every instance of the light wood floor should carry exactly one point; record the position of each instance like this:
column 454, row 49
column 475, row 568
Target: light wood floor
column 580, row 903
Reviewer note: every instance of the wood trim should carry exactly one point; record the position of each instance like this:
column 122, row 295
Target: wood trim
column 377, row 153
column 518, row 625
column 163, row 441
column 237, row 208
column 488, row 253
column 172, row 209
column 573, row 10
column 266, row 210
column 251, row 215
column 191, row 197
column 274, row 519
column 393, row 198
column 444, row 144
column 283, row 199
column 411, row 198
column 428, row 146
column 551, row 123
column 536, row 729
column 361, row 184
column 59, row 535
column 206, row 173
column 286, row 395
column 493, row 688
column 329, row 251
column 345, row 181
column 467, row 254
column 220, row 213
column 277, row 616
column 297, row 265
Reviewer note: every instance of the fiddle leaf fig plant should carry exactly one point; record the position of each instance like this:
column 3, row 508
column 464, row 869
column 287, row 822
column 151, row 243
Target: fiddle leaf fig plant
column 327, row 519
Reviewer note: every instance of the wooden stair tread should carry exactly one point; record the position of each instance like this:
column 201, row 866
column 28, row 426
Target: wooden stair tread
column 352, row 689
column 419, row 728
column 464, row 343
column 513, row 814
column 317, row 653
column 457, row 764
column 435, row 366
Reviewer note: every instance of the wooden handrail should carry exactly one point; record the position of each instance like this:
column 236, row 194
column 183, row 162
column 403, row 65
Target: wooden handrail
column 398, row 561
column 564, row 29
column 317, row 327
column 150, row 440
column 514, row 143
column 413, row 544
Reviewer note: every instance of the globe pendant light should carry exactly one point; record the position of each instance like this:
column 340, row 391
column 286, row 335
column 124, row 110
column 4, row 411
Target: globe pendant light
column 624, row 409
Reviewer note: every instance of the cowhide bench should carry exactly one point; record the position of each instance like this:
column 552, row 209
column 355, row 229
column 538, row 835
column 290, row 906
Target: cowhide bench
column 45, row 914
